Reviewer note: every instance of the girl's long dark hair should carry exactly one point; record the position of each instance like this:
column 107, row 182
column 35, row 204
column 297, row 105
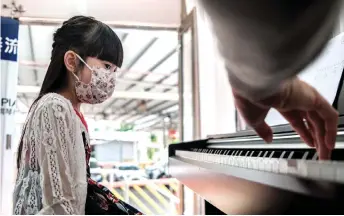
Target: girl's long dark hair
column 85, row 36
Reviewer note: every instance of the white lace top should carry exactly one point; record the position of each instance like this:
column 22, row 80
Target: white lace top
column 52, row 174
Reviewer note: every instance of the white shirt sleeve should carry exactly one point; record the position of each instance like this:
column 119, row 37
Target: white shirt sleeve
column 54, row 158
column 267, row 42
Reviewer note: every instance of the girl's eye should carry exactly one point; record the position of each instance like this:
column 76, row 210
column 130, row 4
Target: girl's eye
column 108, row 66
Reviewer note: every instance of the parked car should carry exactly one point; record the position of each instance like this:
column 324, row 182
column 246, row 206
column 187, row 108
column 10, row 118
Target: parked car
column 157, row 171
column 127, row 172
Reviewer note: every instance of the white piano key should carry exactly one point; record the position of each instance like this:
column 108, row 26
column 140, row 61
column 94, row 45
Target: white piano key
column 268, row 165
column 235, row 161
column 327, row 172
column 240, row 161
column 313, row 170
column 255, row 164
column 291, row 167
column 275, row 165
column 249, row 163
column 340, row 174
column 227, row 159
column 302, row 168
column 260, row 162
column 224, row 159
column 231, row 160
column 211, row 158
column 220, row 159
column 283, row 166
column 244, row 162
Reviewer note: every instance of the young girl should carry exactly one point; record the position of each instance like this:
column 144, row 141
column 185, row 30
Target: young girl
column 54, row 151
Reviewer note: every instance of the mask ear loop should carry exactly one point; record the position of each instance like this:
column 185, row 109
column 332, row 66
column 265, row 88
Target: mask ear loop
column 83, row 62
column 76, row 77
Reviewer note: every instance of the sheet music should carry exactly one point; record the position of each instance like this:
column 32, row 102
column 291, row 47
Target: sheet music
column 323, row 74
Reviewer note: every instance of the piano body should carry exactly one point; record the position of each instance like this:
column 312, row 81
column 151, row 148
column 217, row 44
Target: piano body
column 240, row 174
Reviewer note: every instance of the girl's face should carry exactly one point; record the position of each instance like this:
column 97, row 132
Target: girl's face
column 85, row 74
column 91, row 78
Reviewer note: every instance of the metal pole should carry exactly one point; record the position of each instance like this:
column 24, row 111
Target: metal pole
column 117, row 25
column 126, row 193
column 164, row 132
column 181, row 87
column 195, row 77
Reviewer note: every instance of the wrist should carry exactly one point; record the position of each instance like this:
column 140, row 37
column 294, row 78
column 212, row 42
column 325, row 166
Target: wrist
column 281, row 96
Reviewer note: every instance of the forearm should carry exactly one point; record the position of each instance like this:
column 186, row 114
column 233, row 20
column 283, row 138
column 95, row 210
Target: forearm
column 267, row 42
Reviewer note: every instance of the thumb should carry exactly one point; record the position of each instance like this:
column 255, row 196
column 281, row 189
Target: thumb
column 264, row 131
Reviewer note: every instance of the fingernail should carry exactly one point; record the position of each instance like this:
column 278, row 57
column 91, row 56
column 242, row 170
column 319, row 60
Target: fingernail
column 310, row 142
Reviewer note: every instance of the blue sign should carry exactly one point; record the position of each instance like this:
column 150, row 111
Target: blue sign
column 9, row 39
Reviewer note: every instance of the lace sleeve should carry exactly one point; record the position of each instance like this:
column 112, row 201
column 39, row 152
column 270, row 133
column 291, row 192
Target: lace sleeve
column 58, row 195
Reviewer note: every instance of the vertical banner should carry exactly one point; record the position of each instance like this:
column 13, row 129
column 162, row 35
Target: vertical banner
column 8, row 80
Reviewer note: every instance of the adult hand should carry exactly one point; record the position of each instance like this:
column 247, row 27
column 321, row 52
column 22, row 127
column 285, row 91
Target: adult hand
column 310, row 115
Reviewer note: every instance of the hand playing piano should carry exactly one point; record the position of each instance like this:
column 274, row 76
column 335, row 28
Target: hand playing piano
column 311, row 116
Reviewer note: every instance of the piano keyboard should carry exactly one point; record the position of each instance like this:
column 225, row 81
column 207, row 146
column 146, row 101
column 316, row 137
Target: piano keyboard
column 302, row 163
column 249, row 176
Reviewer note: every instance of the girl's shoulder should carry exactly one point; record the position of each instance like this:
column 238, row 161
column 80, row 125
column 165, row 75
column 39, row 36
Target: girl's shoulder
column 53, row 98
column 54, row 102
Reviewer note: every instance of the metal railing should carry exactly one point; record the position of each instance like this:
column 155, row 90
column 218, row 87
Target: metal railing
column 151, row 197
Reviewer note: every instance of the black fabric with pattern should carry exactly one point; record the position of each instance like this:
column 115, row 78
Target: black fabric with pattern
column 100, row 200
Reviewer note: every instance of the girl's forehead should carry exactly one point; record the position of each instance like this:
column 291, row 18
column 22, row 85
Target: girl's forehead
column 95, row 59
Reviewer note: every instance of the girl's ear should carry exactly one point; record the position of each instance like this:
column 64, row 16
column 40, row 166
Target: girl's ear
column 70, row 61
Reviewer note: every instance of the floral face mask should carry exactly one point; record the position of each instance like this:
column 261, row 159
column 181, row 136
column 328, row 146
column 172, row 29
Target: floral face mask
column 100, row 88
